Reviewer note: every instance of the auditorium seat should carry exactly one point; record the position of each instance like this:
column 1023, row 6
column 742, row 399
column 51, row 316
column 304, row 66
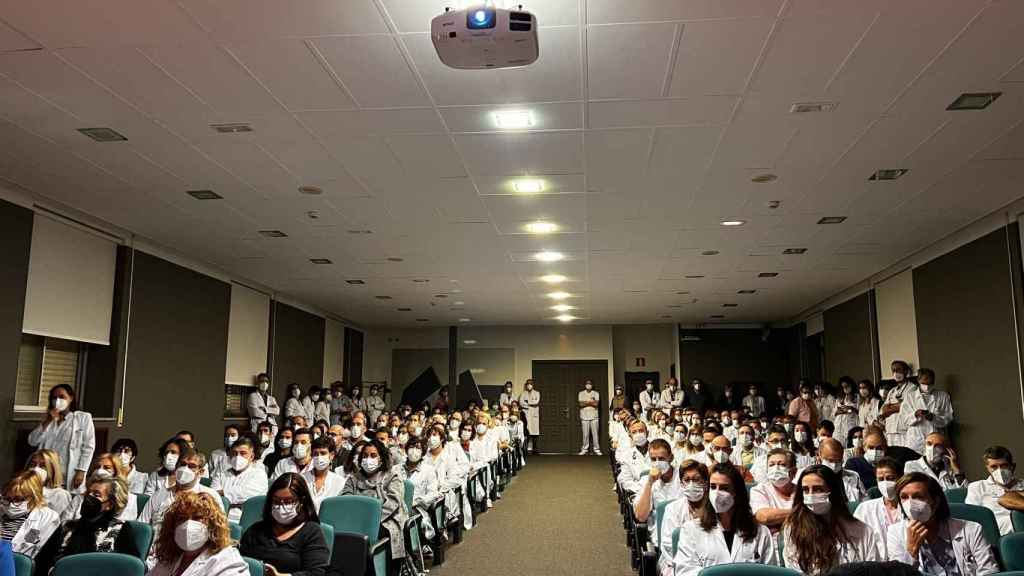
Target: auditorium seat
column 982, row 516
column 956, row 495
column 255, row 566
column 140, row 535
column 99, row 564
column 1011, row 548
column 23, row 565
column 252, row 512
column 356, row 521
column 747, row 570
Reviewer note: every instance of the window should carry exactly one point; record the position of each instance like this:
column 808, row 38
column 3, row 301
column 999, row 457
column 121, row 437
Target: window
column 235, row 398
column 42, row 364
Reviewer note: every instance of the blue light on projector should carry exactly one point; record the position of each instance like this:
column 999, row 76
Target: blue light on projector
column 481, row 19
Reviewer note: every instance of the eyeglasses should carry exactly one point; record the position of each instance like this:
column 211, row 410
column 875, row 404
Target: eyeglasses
column 284, row 501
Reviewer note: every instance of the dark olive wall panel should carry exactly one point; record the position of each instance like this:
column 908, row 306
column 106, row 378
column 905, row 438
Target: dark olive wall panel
column 849, row 339
column 298, row 348
column 965, row 332
column 740, row 356
column 177, row 350
column 16, row 240
column 105, row 365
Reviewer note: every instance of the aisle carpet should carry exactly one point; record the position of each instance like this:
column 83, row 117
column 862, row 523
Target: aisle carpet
column 559, row 516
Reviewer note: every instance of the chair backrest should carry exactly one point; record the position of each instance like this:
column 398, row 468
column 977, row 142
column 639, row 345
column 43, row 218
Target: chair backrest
column 675, row 541
column 659, row 511
column 874, row 492
column 1017, row 518
column 236, row 531
column 141, row 500
column 355, row 514
column 1011, row 547
column 23, row 565
column 206, row 481
column 99, row 564
column 410, row 493
column 852, row 505
column 747, row 570
column 328, row 531
column 227, row 503
column 982, row 516
column 255, row 566
column 956, row 495
column 252, row 512
column 140, row 535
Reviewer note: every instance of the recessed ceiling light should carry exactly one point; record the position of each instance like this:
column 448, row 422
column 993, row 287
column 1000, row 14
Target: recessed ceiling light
column 396, row 259
column 320, row 260
column 469, row 342
column 458, row 303
column 794, row 250
column 311, row 190
column 565, row 317
column 553, row 278
column 231, row 128
column 666, row 315
column 733, row 222
column 528, row 185
column 729, row 305
column 746, row 291
column 356, row 282
column 465, row 320
column 832, row 220
column 513, row 119
column 717, row 316
column 421, row 280
column 360, row 231
column 709, row 253
column 888, row 174
column 562, row 307
column 423, row 319
column 764, row 178
column 541, row 227
column 767, row 274
column 805, row 107
column 204, row 195
column 103, row 134
column 694, row 276
column 383, row 297
column 405, row 309
column 974, row 100
column 272, row 233
column 558, row 295
column 549, row 256
column 440, row 295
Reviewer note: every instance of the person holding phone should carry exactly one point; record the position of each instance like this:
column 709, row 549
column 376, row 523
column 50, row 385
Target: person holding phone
column 940, row 462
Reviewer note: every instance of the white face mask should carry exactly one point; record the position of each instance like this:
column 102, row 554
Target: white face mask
column 296, row 393
column 41, row 472
column 778, row 475
column 639, row 439
column 888, row 489
column 873, row 455
column 300, row 451
column 917, row 510
column 357, row 431
column 746, row 440
column 481, row 429
column 836, row 467
column 650, row 386
column 126, row 459
column 322, row 461
column 191, row 535
column 16, row 510
column 240, row 463
column 61, row 404
column 720, row 456
column 805, row 395
column 315, row 397
column 898, row 376
column 264, row 386
column 589, row 387
column 229, row 441
column 662, row 466
column 924, row 388
column 818, row 503
column 284, row 443
column 800, row 436
column 680, row 437
column 264, row 439
column 285, row 513
column 103, row 473
column 726, row 421
column 693, row 491
column 184, row 476
column 466, row 435
column 934, row 454
column 696, row 440
column 720, row 501
column 170, row 461
column 433, row 442
column 403, row 438
column 414, row 455
column 1001, row 476
column 857, row 441
column 370, row 465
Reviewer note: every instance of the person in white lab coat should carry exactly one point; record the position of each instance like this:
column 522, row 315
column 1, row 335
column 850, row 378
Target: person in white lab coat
column 67, row 431
column 507, row 395
column 46, row 464
column 927, row 411
column 830, row 455
column 820, row 532
column 426, row 488
column 322, row 407
column 940, row 462
column 220, row 459
column 679, row 512
column 726, row 531
column 105, row 466
column 309, row 405
column 884, row 511
column 27, row 521
column 590, row 417
column 128, row 451
column 897, row 419
column 671, row 397
column 772, row 500
column 293, row 405
column 1000, row 492
column 754, row 402
column 261, row 405
column 323, row 482
column 301, row 460
column 375, row 403
column 661, row 484
column 452, row 468
column 648, row 398
column 242, row 478
column 633, row 458
column 530, row 402
column 186, row 480
column 845, row 413
column 195, row 540
column 163, row 477
column 929, row 539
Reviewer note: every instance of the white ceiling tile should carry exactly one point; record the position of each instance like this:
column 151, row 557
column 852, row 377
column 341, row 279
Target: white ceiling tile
column 427, row 155
column 628, row 60
column 683, row 152
column 353, row 123
column 292, row 73
column 522, row 153
column 602, row 11
column 11, row 40
column 553, row 183
column 677, row 111
column 546, row 116
column 548, row 207
column 239, row 19
column 718, row 57
column 373, row 70
column 617, row 159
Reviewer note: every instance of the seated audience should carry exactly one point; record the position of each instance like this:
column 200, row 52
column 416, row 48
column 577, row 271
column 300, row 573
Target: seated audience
column 46, row 464
column 321, row 480
column 830, row 455
column 301, row 460
column 884, row 511
column 374, row 477
column 186, row 479
column 426, row 489
column 680, row 512
column 662, row 483
column 220, row 459
column 772, row 500
column 288, row 539
column 128, row 451
column 940, row 462
column 240, row 477
column 195, row 541
column 282, row 449
column 106, row 465
column 1001, row 491
column 25, row 520
column 163, row 477
column 876, row 446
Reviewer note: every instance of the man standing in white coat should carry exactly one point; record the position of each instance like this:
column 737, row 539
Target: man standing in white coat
column 529, row 400
column 928, row 411
column 262, row 406
column 648, row 399
column 589, row 401
column 671, row 396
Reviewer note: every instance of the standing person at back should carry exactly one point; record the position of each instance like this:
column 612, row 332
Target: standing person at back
column 803, row 407
column 530, row 402
column 67, row 431
column 671, row 397
column 698, row 398
column 648, row 399
column 927, row 411
column 754, row 402
column 896, row 421
column 590, row 401
column 262, row 407
column 507, row 396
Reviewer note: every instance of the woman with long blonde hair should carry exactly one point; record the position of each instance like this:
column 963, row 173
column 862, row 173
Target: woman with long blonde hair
column 195, row 540
column 107, row 465
column 25, row 520
column 46, row 464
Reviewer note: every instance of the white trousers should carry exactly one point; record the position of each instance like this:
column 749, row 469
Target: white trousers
column 590, row 429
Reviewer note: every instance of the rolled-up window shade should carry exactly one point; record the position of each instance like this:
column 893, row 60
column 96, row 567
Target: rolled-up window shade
column 334, row 350
column 248, row 335
column 70, row 288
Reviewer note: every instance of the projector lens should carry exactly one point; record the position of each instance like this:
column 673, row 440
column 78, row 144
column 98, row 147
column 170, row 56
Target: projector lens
column 481, row 19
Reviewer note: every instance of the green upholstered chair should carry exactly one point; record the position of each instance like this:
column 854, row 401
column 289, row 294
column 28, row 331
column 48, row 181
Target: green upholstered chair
column 874, row 492
column 23, row 565
column 982, row 516
column 99, row 564
column 357, row 519
column 659, row 511
column 140, row 535
column 328, row 531
column 675, row 541
column 1011, row 547
column 1017, row 518
column 236, row 531
column 206, row 481
column 747, row 570
column 252, row 512
column 255, row 566
column 852, row 506
column 956, row 495
column 141, row 500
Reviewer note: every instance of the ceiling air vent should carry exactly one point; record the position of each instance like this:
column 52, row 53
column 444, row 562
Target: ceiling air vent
column 103, row 134
column 232, row 128
column 805, row 107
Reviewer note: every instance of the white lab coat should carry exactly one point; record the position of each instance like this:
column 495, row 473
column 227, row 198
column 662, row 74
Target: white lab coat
column 333, row 484
column 865, row 546
column 530, row 403
column 852, row 485
column 293, row 407
column 826, row 406
column 74, row 441
column 874, row 513
column 676, row 515
column 844, row 422
column 699, row 549
column 452, row 469
column 973, row 554
column 506, row 398
column 322, row 411
column 426, row 490
column 309, row 410
column 136, row 481
column 376, row 406
column 765, row 496
column 648, row 401
column 987, row 493
column 35, row 531
column 285, row 465
column 58, row 500
column 219, row 460
column 635, row 466
column 156, row 481
column 153, row 512
column 240, row 486
column 227, row 562
column 130, row 512
column 944, row 477
column 588, row 413
column 670, row 399
column 755, row 404
column 896, row 424
column 262, row 409
column 935, row 401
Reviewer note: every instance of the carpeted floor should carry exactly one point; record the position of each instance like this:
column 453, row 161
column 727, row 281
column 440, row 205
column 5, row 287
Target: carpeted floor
column 559, row 516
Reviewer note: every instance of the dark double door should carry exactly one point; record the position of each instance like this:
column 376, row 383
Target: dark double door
column 559, row 383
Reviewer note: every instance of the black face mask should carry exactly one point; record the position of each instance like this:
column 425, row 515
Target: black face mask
column 92, row 508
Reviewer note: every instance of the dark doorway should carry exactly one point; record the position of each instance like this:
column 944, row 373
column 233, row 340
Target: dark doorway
column 814, row 348
column 559, row 383
column 635, row 384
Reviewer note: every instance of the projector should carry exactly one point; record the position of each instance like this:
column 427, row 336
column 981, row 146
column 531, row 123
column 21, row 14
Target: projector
column 485, row 36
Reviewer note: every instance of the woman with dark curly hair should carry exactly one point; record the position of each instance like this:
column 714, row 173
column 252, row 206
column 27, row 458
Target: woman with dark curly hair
column 195, row 540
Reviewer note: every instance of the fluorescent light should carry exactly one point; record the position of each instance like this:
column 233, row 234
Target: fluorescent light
column 465, row 319
column 513, row 119
column 553, row 278
column 562, row 307
column 565, row 317
column 733, row 222
column 528, row 185
column 549, row 256
column 469, row 342
column 558, row 295
column 541, row 227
